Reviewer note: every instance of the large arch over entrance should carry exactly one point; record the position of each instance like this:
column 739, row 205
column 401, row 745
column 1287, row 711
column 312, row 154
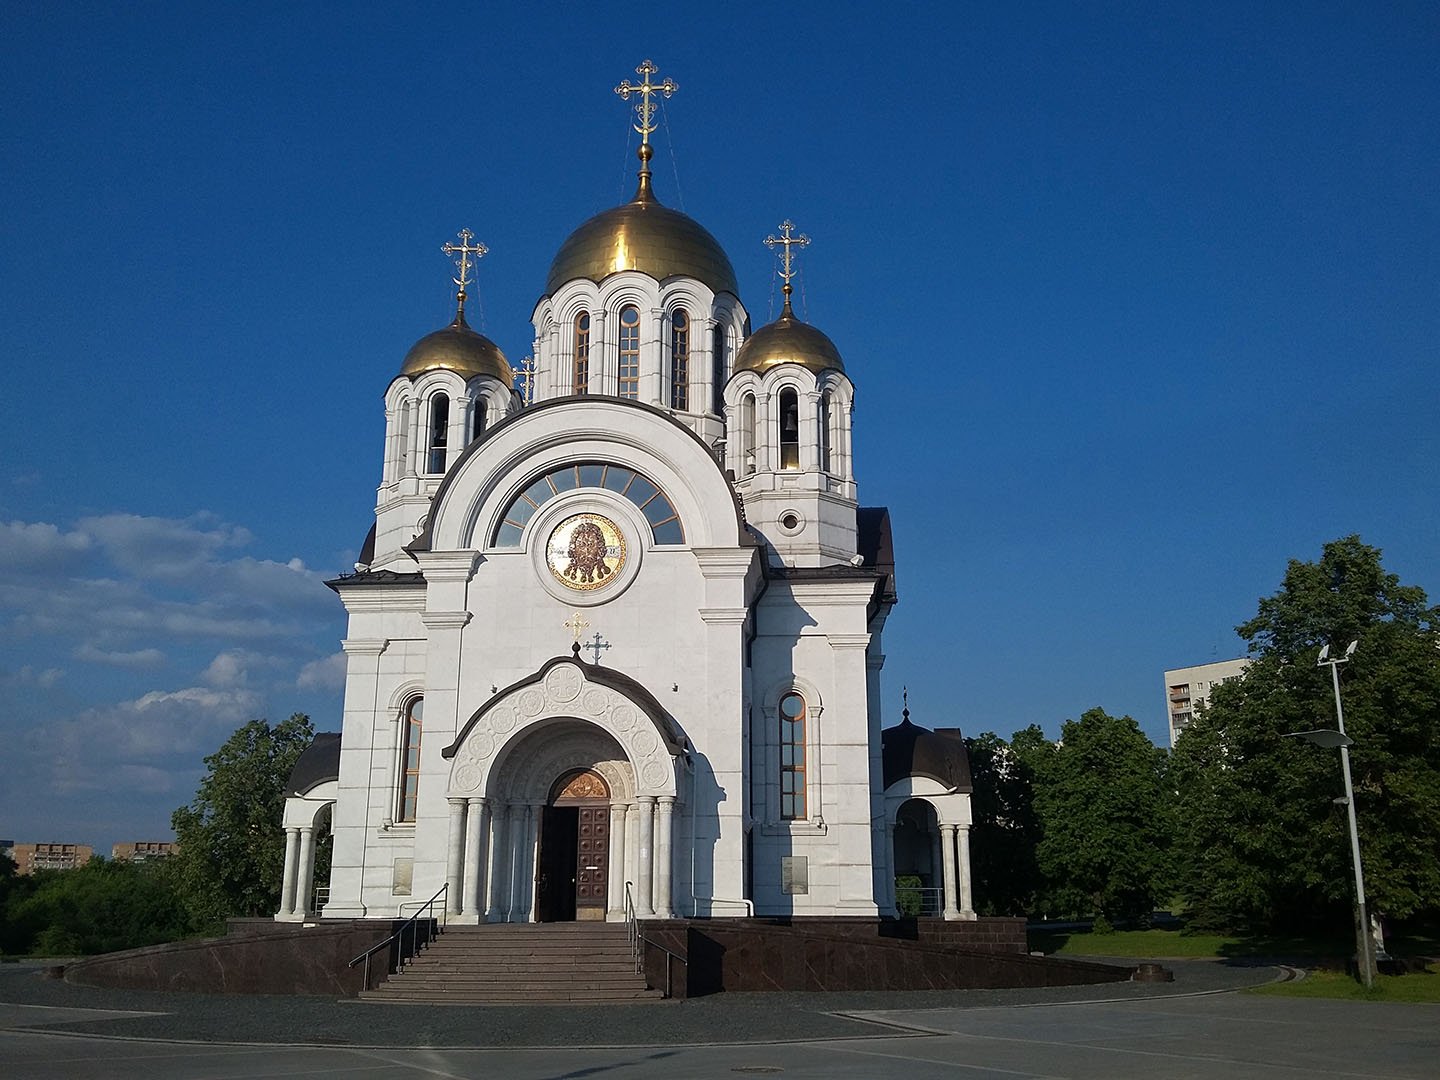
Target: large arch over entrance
column 512, row 768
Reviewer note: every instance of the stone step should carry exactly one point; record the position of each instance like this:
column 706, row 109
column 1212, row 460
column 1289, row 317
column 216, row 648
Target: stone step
column 503, row 997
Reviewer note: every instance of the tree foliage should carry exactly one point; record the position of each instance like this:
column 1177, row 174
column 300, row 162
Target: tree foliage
column 1005, row 830
column 1104, row 817
column 99, row 907
column 232, row 848
column 1264, row 843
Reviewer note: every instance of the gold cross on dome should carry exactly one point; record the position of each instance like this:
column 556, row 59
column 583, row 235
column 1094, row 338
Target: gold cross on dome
column 577, row 625
column 786, row 241
column 526, row 378
column 464, row 249
column 645, row 108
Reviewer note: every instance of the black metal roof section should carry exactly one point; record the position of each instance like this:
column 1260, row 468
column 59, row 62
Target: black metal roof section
column 674, row 738
column 367, row 549
column 317, row 763
column 375, row 578
column 910, row 750
column 875, row 543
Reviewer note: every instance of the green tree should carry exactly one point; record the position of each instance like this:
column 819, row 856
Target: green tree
column 1104, row 816
column 1264, row 844
column 231, row 846
column 99, row 907
column 1005, row 830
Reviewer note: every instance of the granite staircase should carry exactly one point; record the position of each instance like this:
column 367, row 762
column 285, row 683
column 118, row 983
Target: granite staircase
column 519, row 963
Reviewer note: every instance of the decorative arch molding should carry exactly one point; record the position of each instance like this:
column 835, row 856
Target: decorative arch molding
column 778, row 687
column 582, row 698
column 304, row 811
column 402, row 694
column 536, row 757
column 951, row 807
column 471, row 499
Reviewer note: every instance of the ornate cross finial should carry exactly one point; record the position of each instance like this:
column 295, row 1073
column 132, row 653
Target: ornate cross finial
column 786, row 241
column 464, row 249
column 597, row 645
column 905, row 697
column 577, row 625
column 645, row 107
column 525, row 376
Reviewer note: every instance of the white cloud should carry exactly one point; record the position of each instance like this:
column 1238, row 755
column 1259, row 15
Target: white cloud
column 326, row 674
column 135, row 658
column 35, row 544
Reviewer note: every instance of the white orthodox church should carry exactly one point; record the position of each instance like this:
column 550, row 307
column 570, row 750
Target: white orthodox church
column 615, row 637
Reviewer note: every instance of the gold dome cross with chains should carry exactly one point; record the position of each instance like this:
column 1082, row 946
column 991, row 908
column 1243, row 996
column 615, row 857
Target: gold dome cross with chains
column 645, row 107
column 786, row 241
column 464, row 249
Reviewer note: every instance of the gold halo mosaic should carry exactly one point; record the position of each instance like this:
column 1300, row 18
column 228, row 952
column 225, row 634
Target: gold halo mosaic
column 585, row 551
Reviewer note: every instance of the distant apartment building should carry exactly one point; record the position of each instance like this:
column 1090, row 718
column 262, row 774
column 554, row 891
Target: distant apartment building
column 31, row 857
column 143, row 850
column 1188, row 688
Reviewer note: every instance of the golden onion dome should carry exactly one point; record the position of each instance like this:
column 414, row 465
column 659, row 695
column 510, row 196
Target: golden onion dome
column 787, row 340
column 642, row 235
column 459, row 349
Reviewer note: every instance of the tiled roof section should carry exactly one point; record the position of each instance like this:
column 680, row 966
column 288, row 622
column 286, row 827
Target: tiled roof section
column 373, row 578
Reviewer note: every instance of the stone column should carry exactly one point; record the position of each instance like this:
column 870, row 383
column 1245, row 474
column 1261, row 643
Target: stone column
column 615, row 886
column 947, row 853
column 287, row 886
column 516, row 861
column 475, row 824
column 454, row 852
column 307, row 870
column 664, row 849
column 499, row 851
column 645, row 876
column 967, row 902
column 937, row 862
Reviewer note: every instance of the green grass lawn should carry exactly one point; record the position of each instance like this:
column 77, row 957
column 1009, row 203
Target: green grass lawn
column 1160, row 943
column 1415, row 987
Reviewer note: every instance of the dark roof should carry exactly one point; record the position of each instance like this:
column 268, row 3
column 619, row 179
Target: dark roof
column 374, row 578
column 875, row 544
column 670, row 732
column 910, row 750
column 318, row 762
column 367, row 549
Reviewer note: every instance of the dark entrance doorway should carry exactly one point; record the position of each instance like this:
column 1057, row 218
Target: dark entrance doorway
column 574, row 864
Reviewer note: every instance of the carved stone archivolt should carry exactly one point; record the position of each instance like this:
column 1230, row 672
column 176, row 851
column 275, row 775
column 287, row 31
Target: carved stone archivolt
column 586, row 784
column 590, row 719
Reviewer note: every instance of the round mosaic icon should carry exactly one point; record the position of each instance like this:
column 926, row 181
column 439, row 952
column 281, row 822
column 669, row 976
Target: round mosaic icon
column 585, row 552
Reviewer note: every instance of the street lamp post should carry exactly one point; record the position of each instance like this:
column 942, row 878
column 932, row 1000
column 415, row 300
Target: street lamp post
column 1364, row 943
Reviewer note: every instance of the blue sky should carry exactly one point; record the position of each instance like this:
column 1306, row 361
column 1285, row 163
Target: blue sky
column 1140, row 301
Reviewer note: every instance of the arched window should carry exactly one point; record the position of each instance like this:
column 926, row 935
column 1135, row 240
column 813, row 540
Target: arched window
column 717, row 373
column 792, row 755
column 630, row 352
column 481, row 406
column 439, row 433
column 825, row 433
column 747, row 434
column 581, row 381
column 409, row 761
column 680, row 360
column 789, row 428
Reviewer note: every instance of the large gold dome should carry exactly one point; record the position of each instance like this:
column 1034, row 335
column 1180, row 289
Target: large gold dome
column 459, row 349
column 645, row 236
column 787, row 340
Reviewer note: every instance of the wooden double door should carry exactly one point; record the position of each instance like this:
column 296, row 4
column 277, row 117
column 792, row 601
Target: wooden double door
column 573, row 872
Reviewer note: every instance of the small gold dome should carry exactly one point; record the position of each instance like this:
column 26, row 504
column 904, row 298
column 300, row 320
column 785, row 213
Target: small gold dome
column 787, row 340
column 459, row 349
column 645, row 236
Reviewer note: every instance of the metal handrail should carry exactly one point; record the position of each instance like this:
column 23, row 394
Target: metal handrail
column 413, row 925
column 639, row 942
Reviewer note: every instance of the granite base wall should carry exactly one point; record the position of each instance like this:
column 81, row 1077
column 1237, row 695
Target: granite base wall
column 715, row 955
column 256, row 956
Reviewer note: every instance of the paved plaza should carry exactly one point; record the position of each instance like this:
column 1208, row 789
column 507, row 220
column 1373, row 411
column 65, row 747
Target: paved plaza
column 1199, row 1027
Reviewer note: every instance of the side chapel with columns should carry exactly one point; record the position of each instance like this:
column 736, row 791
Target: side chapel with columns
column 615, row 635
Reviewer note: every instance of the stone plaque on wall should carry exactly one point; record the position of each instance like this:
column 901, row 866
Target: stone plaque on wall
column 794, row 875
column 400, row 882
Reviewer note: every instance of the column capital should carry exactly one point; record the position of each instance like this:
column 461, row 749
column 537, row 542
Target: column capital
column 364, row 646
column 445, row 620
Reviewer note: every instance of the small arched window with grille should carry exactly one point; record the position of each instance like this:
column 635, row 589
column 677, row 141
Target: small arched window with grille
column 629, row 370
column 717, row 373
column 439, row 433
column 680, row 360
column 826, row 440
column 789, row 428
column 580, row 381
column 792, row 755
column 409, row 760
